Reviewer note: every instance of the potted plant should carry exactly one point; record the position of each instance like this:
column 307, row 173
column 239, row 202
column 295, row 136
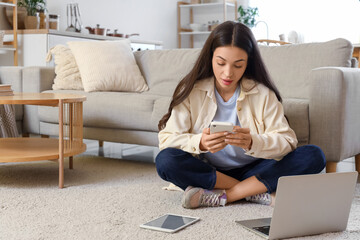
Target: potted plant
column 32, row 8
column 248, row 15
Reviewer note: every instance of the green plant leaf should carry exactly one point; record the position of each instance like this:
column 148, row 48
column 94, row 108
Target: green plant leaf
column 32, row 6
column 248, row 15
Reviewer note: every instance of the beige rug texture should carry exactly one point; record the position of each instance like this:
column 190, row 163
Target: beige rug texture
column 108, row 198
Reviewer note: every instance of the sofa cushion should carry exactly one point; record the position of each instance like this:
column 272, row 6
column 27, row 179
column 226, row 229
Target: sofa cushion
column 297, row 112
column 290, row 65
column 108, row 66
column 66, row 69
column 132, row 111
column 163, row 69
column 135, row 111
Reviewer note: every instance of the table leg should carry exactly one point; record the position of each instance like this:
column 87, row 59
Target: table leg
column 61, row 145
column 357, row 163
column 71, row 136
column 331, row 167
column 71, row 163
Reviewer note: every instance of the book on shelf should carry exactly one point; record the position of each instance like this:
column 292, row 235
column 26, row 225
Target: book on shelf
column 5, row 90
column 5, row 87
column 6, row 93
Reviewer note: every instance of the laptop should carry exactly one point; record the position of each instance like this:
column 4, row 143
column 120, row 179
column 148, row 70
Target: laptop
column 308, row 205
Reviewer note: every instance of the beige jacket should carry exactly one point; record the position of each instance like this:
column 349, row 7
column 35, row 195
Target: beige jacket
column 258, row 109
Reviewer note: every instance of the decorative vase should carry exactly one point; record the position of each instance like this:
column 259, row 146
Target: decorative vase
column 31, row 22
column 42, row 23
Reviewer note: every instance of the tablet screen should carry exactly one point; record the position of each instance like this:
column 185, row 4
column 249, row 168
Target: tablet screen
column 170, row 222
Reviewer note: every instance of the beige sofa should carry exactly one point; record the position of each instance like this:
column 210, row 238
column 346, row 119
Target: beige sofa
column 318, row 86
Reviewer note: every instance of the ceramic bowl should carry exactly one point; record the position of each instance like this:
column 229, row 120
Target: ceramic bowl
column 197, row 27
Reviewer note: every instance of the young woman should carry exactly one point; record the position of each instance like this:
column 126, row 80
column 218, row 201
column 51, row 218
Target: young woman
column 229, row 83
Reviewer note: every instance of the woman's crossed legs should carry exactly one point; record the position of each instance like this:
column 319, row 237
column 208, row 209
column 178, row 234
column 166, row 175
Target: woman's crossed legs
column 199, row 178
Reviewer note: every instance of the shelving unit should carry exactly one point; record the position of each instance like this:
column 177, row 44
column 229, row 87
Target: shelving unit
column 34, row 44
column 12, row 45
column 190, row 7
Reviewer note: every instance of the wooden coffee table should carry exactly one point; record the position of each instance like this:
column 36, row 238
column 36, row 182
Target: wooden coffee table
column 69, row 143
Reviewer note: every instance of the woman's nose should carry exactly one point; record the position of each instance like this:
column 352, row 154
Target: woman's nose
column 228, row 71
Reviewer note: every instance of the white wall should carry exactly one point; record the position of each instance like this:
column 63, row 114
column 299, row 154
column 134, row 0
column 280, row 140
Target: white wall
column 152, row 19
column 317, row 20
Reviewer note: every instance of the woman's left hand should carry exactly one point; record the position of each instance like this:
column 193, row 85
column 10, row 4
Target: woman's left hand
column 240, row 137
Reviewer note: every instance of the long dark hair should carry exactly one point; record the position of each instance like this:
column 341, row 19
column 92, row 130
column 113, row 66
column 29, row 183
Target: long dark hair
column 226, row 34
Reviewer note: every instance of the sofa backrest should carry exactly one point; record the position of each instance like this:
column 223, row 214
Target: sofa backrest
column 164, row 69
column 290, row 65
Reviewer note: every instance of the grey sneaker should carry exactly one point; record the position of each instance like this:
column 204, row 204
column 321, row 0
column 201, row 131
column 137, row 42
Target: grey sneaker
column 199, row 197
column 262, row 198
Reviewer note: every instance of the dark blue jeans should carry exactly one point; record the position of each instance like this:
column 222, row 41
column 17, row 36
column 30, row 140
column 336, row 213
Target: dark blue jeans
column 183, row 169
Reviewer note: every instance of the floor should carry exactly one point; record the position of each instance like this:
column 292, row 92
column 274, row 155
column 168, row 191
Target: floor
column 148, row 154
column 121, row 151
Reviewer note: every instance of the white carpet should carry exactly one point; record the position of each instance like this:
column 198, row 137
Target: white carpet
column 109, row 198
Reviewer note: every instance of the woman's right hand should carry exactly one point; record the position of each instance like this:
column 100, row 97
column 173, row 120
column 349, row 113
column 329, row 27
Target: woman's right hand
column 212, row 142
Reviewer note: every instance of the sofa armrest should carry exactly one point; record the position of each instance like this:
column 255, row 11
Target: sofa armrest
column 35, row 79
column 38, row 79
column 334, row 111
column 13, row 76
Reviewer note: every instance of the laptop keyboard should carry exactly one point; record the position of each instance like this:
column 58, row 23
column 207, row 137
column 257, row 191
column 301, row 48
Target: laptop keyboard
column 263, row 229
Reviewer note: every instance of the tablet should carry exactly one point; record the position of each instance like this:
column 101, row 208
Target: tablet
column 170, row 223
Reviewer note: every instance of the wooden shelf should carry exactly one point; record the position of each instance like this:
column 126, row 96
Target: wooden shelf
column 230, row 4
column 5, row 4
column 34, row 149
column 181, row 31
column 7, row 48
column 9, row 45
column 195, row 33
column 12, row 45
column 28, row 31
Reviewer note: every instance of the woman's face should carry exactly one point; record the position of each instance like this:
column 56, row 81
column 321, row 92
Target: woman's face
column 229, row 64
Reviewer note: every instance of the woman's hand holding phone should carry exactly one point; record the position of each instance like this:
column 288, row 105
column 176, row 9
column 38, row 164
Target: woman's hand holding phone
column 213, row 142
column 240, row 137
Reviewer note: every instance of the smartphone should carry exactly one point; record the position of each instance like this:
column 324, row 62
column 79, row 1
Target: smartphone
column 221, row 127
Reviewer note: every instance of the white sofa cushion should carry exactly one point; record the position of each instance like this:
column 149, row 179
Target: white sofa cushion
column 108, row 66
column 67, row 72
column 115, row 110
